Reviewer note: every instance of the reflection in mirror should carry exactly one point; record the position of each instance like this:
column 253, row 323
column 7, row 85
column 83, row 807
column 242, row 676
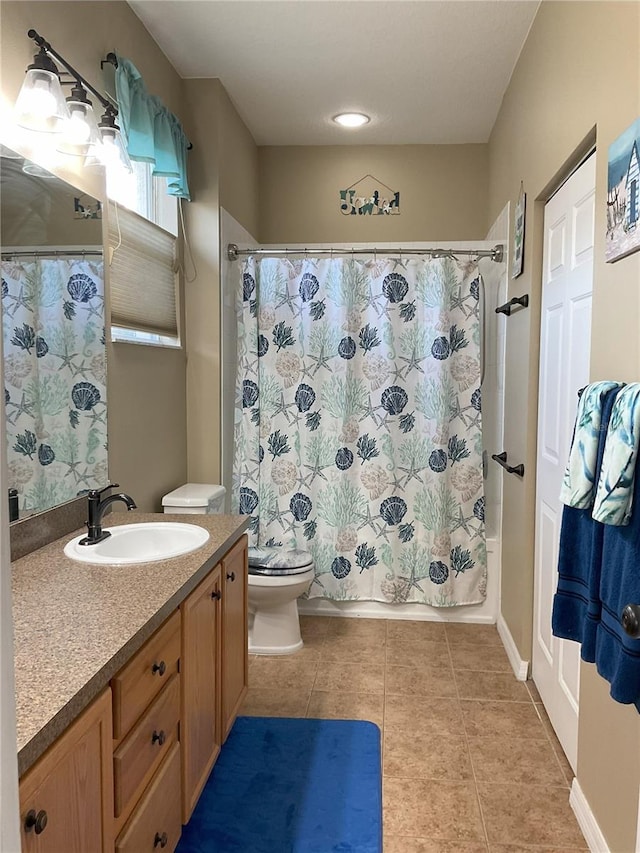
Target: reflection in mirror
column 54, row 339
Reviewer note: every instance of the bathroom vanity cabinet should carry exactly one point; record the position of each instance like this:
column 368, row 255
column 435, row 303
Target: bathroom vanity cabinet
column 128, row 772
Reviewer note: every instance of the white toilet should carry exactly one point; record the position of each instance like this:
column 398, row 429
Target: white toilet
column 277, row 577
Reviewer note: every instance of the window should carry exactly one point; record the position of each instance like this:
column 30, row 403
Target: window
column 142, row 260
column 143, row 226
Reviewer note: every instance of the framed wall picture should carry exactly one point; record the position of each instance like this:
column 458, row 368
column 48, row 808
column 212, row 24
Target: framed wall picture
column 518, row 234
column 623, row 195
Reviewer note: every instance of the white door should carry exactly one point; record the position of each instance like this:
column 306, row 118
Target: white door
column 565, row 339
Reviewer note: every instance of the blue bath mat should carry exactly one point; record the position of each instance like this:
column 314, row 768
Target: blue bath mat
column 291, row 786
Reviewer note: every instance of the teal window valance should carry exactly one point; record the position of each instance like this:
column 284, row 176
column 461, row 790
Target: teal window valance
column 153, row 134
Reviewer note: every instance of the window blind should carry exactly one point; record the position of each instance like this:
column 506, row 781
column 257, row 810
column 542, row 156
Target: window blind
column 143, row 277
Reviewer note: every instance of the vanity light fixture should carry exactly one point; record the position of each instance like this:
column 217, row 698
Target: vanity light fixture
column 351, row 119
column 41, row 106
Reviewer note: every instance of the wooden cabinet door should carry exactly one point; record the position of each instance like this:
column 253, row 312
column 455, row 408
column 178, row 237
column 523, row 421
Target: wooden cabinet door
column 235, row 655
column 66, row 798
column 200, row 678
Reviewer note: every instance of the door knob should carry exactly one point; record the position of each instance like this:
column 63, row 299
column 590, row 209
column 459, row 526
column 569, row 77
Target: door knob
column 231, row 576
column 160, row 668
column 216, row 595
column 160, row 840
column 630, row 620
column 160, row 737
column 37, row 822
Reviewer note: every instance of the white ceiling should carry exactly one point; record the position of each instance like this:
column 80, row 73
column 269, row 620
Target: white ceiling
column 426, row 71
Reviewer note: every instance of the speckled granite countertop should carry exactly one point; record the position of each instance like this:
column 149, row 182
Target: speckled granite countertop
column 77, row 624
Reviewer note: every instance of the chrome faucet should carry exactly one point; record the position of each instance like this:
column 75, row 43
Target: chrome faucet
column 96, row 511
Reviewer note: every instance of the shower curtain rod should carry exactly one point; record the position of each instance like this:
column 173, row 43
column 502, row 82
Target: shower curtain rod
column 54, row 253
column 496, row 254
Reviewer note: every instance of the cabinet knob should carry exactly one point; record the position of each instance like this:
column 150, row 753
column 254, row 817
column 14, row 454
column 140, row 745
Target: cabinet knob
column 37, row 822
column 630, row 620
column 159, row 737
column 231, row 576
column 216, row 595
column 160, row 840
column 160, row 668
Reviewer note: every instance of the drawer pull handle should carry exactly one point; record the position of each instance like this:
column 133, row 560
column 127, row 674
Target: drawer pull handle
column 216, row 595
column 160, row 668
column 160, row 737
column 37, row 822
column 160, row 840
column 231, row 576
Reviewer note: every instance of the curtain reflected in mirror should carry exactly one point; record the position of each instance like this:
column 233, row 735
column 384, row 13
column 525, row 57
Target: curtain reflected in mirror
column 53, row 338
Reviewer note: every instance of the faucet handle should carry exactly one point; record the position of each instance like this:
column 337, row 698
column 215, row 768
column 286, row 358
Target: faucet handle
column 95, row 493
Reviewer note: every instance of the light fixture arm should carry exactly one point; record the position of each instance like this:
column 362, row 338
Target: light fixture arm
column 44, row 44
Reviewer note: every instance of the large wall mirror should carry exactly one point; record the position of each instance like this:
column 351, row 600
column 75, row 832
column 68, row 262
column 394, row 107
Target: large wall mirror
column 53, row 337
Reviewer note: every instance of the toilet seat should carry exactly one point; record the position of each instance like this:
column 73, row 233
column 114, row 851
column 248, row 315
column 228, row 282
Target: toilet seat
column 279, row 561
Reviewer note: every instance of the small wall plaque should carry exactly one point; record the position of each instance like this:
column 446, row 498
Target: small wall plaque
column 369, row 197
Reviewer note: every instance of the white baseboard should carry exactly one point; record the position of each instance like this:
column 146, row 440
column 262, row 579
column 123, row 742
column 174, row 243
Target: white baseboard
column 520, row 667
column 586, row 820
column 380, row 610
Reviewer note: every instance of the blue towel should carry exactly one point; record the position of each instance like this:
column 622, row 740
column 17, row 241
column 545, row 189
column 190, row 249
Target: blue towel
column 614, row 496
column 579, row 482
column 617, row 656
column 576, row 604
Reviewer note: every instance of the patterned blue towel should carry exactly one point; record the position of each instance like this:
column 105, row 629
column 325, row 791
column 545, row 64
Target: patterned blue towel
column 614, row 496
column 579, row 486
column 577, row 608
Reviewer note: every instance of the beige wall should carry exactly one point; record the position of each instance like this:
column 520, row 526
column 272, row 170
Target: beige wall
column 224, row 171
column 578, row 70
column 239, row 177
column 146, row 386
column 202, row 288
column 443, row 192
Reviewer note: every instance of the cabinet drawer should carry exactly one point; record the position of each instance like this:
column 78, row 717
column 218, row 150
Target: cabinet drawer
column 155, row 824
column 143, row 749
column 145, row 675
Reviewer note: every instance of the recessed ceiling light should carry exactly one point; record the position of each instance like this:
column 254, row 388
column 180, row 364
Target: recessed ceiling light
column 351, row 119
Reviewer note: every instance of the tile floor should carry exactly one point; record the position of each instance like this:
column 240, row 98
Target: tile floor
column 470, row 761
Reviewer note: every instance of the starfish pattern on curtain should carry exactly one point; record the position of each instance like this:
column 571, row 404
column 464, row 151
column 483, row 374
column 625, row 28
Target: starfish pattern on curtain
column 55, row 378
column 358, row 423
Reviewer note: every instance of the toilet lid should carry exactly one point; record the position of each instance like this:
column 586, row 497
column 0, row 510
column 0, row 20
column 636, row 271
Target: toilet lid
column 279, row 561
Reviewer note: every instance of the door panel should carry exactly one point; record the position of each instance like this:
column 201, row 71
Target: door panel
column 565, row 336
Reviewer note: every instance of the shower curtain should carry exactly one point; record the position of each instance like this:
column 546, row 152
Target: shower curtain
column 358, row 426
column 55, row 378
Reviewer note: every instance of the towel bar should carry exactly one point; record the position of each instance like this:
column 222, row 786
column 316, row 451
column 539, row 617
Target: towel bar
column 501, row 459
column 517, row 300
column 630, row 620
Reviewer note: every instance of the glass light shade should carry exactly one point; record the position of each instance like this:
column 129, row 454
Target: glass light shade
column 41, row 105
column 80, row 131
column 112, row 154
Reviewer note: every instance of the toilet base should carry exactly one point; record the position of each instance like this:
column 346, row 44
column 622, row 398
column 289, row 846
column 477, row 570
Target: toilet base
column 275, row 630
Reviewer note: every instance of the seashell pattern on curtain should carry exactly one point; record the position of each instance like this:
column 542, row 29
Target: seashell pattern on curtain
column 358, row 423
column 55, row 378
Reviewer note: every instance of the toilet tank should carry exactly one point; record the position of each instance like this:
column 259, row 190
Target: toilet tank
column 198, row 498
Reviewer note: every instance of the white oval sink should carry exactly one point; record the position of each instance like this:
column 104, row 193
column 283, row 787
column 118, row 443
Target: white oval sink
column 140, row 543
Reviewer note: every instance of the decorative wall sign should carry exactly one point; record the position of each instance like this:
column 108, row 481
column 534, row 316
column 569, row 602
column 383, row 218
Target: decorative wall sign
column 369, row 197
column 86, row 207
column 518, row 234
column 623, row 195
